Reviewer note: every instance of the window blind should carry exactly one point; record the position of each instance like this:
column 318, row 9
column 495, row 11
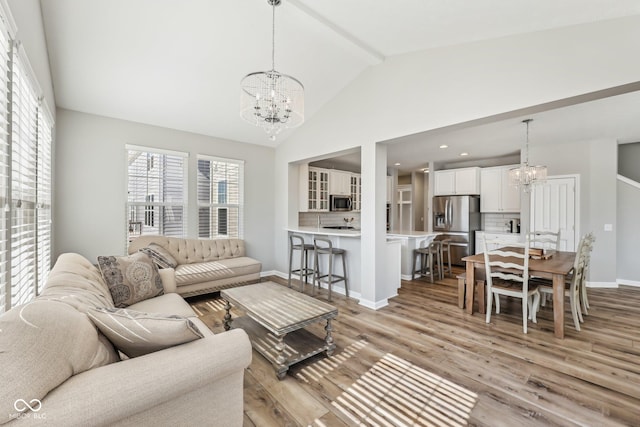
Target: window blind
column 156, row 188
column 24, row 116
column 43, row 195
column 220, row 197
column 5, row 178
column 26, row 130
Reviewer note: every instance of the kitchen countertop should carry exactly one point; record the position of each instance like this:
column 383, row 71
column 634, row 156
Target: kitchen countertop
column 498, row 232
column 358, row 233
column 324, row 231
column 411, row 234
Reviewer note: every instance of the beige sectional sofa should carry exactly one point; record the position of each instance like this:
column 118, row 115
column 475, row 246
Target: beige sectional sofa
column 55, row 360
column 205, row 265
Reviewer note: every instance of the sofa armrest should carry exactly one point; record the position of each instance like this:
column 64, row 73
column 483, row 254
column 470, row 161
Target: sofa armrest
column 115, row 392
column 168, row 277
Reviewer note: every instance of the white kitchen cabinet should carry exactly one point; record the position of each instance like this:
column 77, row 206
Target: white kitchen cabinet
column 496, row 194
column 457, row 181
column 356, row 191
column 445, row 183
column 314, row 189
column 340, row 183
column 506, row 237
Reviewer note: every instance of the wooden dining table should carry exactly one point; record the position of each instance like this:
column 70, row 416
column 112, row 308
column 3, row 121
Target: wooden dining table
column 555, row 268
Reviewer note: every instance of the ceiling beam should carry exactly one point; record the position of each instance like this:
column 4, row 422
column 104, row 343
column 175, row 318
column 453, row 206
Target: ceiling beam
column 376, row 55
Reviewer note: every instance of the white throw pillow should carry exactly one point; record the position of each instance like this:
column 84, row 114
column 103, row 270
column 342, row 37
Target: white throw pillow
column 135, row 333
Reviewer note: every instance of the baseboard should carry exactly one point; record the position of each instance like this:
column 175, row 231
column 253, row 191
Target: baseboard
column 374, row 305
column 274, row 273
column 602, row 284
column 406, row 277
column 626, row 282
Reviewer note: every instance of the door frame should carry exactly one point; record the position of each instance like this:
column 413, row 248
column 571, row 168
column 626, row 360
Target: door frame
column 576, row 231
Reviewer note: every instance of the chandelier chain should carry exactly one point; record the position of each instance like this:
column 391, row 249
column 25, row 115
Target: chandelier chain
column 273, row 35
column 526, row 151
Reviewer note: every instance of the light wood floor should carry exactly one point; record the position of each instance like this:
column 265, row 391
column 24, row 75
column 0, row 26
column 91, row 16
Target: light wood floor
column 423, row 361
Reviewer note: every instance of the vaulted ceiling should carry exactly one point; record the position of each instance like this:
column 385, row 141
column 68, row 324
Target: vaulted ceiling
column 178, row 64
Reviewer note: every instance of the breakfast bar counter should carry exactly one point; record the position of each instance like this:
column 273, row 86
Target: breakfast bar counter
column 353, row 232
column 349, row 240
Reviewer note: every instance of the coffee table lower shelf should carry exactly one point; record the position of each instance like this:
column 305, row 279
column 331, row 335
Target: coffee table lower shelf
column 297, row 345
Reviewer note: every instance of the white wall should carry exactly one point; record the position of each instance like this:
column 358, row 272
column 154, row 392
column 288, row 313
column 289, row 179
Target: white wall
column 628, row 232
column 91, row 183
column 628, row 208
column 435, row 88
column 628, row 160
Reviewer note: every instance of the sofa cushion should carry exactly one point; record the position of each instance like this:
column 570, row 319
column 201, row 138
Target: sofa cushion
column 160, row 256
column 77, row 282
column 187, row 274
column 42, row 344
column 136, row 333
column 130, row 278
column 189, row 251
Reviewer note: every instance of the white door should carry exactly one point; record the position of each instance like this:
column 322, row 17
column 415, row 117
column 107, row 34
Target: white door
column 553, row 208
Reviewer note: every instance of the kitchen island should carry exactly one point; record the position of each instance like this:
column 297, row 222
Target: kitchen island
column 410, row 240
column 349, row 240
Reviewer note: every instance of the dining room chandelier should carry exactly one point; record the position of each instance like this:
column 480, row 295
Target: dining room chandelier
column 525, row 175
column 269, row 99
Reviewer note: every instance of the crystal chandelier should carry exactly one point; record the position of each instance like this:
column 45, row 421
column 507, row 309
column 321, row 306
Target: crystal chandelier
column 524, row 176
column 269, row 99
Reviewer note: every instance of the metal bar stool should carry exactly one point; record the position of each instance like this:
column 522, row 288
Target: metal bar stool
column 296, row 243
column 427, row 255
column 325, row 247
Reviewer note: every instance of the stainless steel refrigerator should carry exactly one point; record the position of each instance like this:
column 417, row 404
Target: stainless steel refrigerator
column 458, row 218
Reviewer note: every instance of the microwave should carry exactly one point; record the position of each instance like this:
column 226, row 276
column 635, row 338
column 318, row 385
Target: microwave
column 340, row 203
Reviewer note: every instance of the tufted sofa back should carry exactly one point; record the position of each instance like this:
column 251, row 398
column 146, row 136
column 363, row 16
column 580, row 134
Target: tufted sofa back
column 189, row 251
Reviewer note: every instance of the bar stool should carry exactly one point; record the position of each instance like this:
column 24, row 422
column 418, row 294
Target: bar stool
column 325, row 247
column 445, row 248
column 427, row 256
column 304, row 271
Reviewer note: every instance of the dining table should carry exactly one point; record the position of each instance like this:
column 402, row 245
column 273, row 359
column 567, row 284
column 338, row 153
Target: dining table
column 556, row 268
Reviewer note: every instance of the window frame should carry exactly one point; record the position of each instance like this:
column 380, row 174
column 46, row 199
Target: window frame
column 26, row 164
column 221, row 207
column 149, row 207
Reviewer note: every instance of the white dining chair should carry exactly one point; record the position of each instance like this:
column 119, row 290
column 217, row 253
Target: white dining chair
column 545, row 239
column 507, row 273
column 584, row 300
column 573, row 286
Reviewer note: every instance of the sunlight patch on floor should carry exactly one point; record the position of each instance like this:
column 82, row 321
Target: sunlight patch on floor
column 395, row 392
column 315, row 371
column 208, row 307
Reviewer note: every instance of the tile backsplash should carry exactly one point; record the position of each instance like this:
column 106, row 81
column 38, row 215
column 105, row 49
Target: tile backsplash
column 497, row 221
column 310, row 219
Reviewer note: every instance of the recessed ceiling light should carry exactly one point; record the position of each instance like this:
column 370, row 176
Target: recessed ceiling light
column 396, row 164
column 444, row 146
column 464, row 154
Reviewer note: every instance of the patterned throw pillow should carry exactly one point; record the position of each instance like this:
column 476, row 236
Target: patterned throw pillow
column 131, row 278
column 135, row 333
column 160, row 256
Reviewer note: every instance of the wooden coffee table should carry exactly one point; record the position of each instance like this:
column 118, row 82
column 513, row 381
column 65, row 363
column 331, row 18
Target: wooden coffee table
column 275, row 318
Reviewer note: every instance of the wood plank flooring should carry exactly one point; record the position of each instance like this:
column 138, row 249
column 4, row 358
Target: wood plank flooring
column 423, row 361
